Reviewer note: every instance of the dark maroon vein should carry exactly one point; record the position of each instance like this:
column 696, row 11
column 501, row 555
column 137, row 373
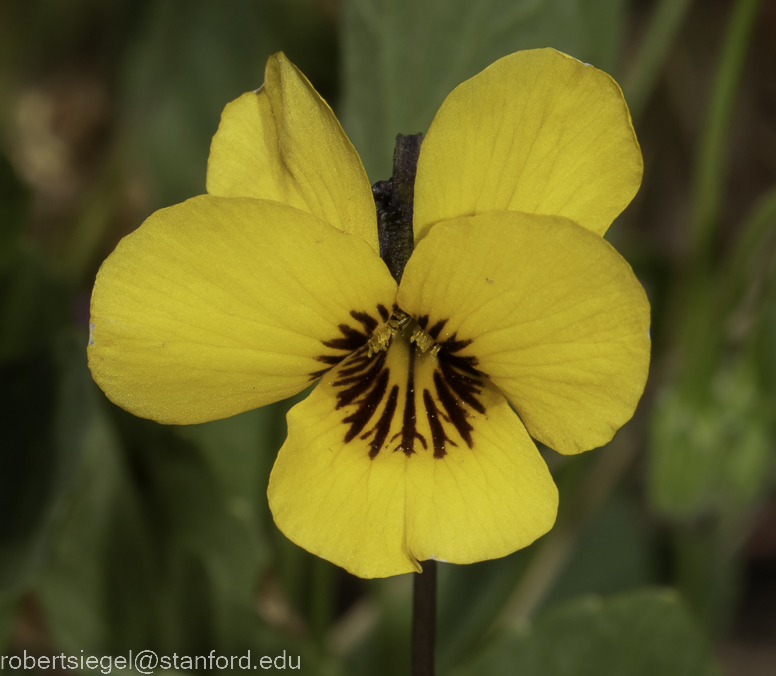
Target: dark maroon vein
column 438, row 436
column 383, row 426
column 435, row 330
column 464, row 386
column 454, row 409
column 366, row 320
column 366, row 409
column 409, row 431
column 360, row 383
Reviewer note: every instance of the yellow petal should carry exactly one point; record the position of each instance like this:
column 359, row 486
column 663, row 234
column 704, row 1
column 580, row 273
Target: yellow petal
column 537, row 131
column 284, row 143
column 401, row 457
column 220, row 305
column 548, row 310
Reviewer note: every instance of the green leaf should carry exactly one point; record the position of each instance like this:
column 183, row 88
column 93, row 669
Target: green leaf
column 191, row 58
column 709, row 453
column 612, row 555
column 713, row 152
column 377, row 654
column 213, row 546
column 642, row 633
column 72, row 588
column 153, row 552
column 469, row 598
column 402, row 57
column 751, row 264
column 236, row 449
column 598, row 545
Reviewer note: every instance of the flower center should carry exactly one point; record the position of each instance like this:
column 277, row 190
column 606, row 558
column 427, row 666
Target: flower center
column 400, row 322
column 401, row 386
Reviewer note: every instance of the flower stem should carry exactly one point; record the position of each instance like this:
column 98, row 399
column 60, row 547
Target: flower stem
column 394, row 200
column 424, row 619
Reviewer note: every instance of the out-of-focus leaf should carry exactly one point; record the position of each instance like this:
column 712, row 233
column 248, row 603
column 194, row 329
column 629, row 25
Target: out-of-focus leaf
column 707, row 570
column 713, row 154
column 235, row 448
column 606, row 550
column 613, row 554
column 293, row 565
column 753, row 258
column 709, row 454
column 14, row 206
column 192, row 58
column 216, row 542
column 378, row 655
column 33, row 306
column 665, row 22
column 8, row 605
column 766, row 333
column 402, row 57
column 469, row 599
column 153, row 552
column 643, row 633
column 156, row 552
column 46, row 405
column 72, row 589
column 95, row 216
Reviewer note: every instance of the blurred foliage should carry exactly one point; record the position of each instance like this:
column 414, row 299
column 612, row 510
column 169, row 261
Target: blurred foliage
column 638, row 634
column 403, row 57
column 117, row 533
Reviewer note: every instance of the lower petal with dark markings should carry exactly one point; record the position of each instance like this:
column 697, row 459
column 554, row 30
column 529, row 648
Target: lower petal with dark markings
column 394, row 456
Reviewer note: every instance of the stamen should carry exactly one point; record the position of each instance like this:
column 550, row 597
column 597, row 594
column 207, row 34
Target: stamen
column 381, row 338
column 425, row 342
column 381, row 410
column 400, row 322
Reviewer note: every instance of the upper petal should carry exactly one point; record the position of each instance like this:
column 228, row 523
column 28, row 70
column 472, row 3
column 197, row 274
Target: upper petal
column 537, row 131
column 284, row 143
column 399, row 457
column 547, row 309
column 220, row 305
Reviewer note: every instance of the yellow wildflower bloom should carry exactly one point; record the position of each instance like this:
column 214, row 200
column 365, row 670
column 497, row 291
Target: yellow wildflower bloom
column 513, row 316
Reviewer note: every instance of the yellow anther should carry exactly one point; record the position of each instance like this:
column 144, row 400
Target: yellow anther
column 381, row 338
column 422, row 339
column 425, row 342
column 398, row 322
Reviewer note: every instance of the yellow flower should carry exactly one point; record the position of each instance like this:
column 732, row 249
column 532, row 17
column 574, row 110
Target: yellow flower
column 513, row 312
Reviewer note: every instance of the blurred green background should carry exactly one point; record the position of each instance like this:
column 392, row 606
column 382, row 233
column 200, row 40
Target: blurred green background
column 117, row 533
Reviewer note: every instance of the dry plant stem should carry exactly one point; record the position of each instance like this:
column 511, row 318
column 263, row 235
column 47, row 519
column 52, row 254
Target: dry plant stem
column 394, row 205
column 394, row 200
column 424, row 619
column 556, row 548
